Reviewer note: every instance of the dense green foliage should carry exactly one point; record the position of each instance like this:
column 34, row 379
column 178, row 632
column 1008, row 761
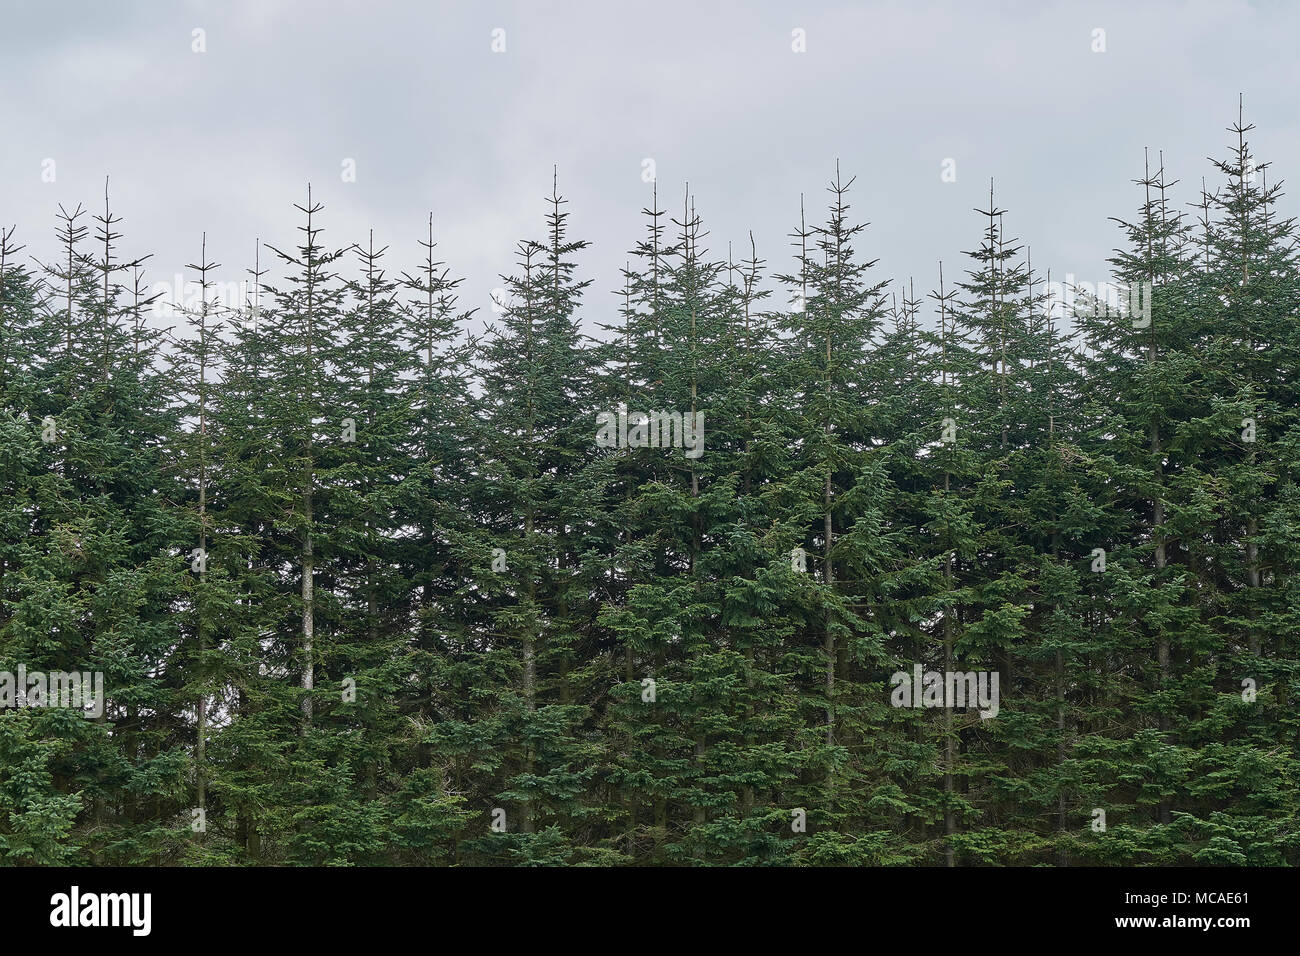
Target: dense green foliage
column 365, row 588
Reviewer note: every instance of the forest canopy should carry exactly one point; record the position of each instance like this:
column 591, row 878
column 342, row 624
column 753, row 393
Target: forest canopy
column 659, row 578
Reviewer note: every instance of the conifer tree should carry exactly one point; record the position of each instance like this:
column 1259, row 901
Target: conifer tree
column 533, row 441
column 838, row 476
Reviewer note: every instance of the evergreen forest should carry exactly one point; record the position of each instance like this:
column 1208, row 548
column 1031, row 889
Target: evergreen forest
column 621, row 572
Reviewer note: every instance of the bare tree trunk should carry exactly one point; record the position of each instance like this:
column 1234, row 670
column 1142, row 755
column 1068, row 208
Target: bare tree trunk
column 949, row 741
column 308, row 610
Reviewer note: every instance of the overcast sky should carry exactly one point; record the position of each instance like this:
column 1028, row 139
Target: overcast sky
column 226, row 140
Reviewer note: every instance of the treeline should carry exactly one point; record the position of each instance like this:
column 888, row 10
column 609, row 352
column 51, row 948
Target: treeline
column 366, row 589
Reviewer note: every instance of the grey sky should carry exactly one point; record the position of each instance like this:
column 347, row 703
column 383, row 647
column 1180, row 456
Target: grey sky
column 225, row 141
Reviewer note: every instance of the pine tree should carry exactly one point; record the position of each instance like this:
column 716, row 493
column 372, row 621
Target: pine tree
column 839, row 479
column 534, row 441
